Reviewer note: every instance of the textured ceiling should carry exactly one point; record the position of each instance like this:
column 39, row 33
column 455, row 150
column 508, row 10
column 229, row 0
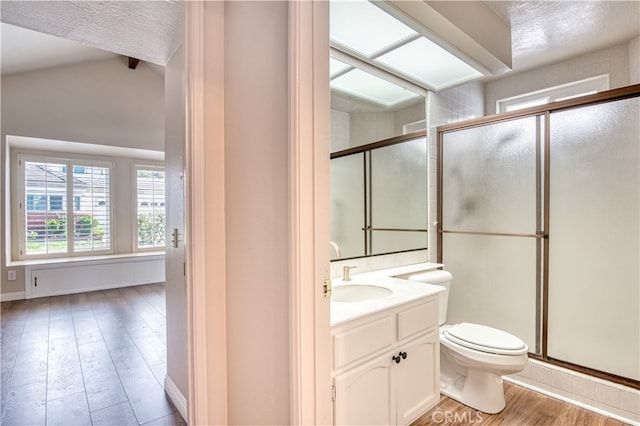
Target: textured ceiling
column 543, row 32
column 26, row 50
column 147, row 30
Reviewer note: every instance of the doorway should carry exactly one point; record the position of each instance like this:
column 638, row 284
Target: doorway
column 125, row 326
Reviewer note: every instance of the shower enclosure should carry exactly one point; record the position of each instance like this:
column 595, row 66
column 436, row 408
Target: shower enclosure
column 539, row 224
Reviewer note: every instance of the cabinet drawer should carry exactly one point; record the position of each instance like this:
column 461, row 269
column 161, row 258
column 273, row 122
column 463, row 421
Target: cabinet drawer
column 362, row 341
column 417, row 319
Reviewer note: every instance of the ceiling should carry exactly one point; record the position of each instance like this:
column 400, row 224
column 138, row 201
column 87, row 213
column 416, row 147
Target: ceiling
column 66, row 32
column 374, row 58
column 27, row 50
column 542, row 32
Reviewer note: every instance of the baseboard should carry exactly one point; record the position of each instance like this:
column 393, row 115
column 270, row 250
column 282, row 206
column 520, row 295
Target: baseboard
column 16, row 295
column 176, row 397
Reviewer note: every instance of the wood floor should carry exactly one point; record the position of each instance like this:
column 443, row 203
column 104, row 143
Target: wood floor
column 94, row 358
column 524, row 408
column 99, row 358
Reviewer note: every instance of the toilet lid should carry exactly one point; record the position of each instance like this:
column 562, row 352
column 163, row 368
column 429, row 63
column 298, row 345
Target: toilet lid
column 486, row 339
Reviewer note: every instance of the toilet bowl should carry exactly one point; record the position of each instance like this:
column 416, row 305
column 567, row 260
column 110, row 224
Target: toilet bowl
column 474, row 357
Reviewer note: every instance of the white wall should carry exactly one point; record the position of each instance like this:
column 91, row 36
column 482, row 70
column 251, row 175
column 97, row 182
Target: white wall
column 613, row 61
column 257, row 211
column 101, row 102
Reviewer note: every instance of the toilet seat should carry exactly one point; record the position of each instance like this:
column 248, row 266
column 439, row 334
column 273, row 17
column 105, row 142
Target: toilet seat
column 485, row 339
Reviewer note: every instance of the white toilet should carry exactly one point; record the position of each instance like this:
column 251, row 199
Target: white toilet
column 473, row 357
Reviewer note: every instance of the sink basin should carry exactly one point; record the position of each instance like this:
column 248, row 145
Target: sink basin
column 358, row 293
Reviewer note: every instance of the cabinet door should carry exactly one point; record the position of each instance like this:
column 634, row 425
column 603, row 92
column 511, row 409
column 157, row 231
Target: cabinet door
column 418, row 378
column 363, row 395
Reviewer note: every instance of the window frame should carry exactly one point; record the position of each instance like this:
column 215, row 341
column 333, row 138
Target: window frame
column 69, row 164
column 561, row 92
column 152, row 168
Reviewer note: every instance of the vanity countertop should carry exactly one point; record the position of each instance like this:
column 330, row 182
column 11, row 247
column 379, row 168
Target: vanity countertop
column 404, row 270
column 403, row 291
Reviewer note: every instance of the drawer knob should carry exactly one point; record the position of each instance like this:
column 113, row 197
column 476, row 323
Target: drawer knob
column 399, row 357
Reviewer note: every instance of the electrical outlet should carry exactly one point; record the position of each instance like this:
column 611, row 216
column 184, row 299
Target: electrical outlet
column 11, row 275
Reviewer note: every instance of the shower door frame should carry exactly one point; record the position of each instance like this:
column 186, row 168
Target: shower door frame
column 542, row 309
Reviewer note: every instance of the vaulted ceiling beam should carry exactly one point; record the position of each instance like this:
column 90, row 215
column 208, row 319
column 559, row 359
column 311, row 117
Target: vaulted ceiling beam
column 133, row 63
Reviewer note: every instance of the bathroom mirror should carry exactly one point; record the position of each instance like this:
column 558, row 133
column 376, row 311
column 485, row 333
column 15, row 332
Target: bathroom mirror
column 378, row 163
column 379, row 197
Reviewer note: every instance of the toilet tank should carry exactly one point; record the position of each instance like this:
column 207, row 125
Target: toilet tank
column 441, row 278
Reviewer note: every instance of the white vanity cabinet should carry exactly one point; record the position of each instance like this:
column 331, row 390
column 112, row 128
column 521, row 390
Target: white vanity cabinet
column 386, row 365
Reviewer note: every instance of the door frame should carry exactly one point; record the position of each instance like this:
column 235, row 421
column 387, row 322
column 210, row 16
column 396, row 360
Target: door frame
column 205, row 215
column 309, row 110
column 310, row 369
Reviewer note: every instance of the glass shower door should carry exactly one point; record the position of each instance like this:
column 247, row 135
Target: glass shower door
column 491, row 225
column 594, row 266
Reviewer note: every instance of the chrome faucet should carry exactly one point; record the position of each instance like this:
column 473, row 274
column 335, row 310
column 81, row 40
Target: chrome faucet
column 336, row 248
column 346, row 271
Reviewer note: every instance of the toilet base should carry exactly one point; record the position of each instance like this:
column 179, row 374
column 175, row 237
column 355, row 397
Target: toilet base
column 480, row 390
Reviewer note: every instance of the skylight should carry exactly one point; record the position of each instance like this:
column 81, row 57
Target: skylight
column 364, row 28
column 368, row 34
column 429, row 64
column 367, row 86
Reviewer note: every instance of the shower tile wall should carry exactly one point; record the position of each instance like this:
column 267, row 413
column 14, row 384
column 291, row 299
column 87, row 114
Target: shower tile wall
column 340, row 123
column 590, row 392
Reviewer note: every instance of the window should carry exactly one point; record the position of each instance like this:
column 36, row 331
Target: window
column 563, row 92
column 150, row 211
column 59, row 215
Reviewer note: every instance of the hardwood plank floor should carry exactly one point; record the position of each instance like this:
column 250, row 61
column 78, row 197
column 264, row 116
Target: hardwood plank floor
column 94, row 358
column 524, row 408
column 99, row 358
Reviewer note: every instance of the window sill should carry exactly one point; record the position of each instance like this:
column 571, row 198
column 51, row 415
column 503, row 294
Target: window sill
column 74, row 259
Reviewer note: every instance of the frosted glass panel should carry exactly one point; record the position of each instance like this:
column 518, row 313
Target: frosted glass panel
column 489, row 177
column 494, row 283
column 374, row 89
column 347, row 204
column 364, row 27
column 399, row 186
column 443, row 69
column 594, row 271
